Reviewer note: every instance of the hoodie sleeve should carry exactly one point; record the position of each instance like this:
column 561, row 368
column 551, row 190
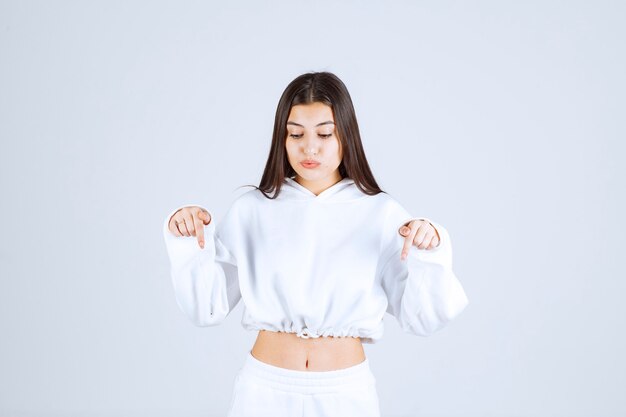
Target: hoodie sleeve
column 423, row 292
column 206, row 283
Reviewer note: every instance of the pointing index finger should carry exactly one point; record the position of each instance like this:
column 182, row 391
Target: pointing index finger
column 408, row 241
column 198, row 221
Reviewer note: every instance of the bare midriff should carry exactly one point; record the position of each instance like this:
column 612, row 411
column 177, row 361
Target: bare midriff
column 287, row 350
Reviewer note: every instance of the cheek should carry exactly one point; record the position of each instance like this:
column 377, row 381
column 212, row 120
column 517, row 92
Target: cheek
column 337, row 150
column 289, row 149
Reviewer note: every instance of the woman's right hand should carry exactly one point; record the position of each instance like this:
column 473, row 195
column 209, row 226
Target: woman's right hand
column 190, row 221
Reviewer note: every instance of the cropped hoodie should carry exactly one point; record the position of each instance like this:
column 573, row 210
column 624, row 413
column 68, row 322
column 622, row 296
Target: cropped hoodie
column 315, row 265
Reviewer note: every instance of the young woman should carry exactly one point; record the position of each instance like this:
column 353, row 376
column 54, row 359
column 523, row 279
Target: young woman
column 318, row 253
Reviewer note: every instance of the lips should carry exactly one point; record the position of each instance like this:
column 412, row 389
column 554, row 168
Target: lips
column 310, row 163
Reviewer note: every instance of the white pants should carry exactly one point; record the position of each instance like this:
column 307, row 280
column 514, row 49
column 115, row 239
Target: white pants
column 262, row 390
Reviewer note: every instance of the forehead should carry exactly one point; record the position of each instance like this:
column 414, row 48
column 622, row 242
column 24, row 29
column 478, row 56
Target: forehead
column 310, row 114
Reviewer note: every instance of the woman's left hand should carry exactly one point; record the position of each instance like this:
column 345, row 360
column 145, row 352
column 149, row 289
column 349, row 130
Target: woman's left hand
column 418, row 232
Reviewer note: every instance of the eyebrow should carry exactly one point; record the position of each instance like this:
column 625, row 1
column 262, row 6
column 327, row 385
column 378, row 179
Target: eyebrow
column 327, row 122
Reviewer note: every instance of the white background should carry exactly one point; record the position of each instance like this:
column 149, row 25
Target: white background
column 503, row 121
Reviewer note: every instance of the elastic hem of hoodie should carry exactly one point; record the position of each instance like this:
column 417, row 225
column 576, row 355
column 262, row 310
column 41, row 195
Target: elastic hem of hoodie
column 306, row 333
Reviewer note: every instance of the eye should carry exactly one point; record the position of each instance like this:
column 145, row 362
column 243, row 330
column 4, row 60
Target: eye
column 326, row 136
column 295, row 136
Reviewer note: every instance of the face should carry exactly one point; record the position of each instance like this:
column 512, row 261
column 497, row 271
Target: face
column 311, row 135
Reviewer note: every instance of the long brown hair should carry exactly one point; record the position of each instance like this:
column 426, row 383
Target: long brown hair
column 327, row 88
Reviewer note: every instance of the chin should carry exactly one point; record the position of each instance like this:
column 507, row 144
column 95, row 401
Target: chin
column 313, row 176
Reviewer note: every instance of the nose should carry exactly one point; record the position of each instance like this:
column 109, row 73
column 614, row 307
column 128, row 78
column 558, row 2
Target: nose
column 311, row 147
column 310, row 151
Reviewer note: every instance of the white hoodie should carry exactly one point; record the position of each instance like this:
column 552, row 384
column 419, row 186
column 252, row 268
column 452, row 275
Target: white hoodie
column 325, row 265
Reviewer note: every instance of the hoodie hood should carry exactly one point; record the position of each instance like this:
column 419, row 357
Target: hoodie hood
column 345, row 189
